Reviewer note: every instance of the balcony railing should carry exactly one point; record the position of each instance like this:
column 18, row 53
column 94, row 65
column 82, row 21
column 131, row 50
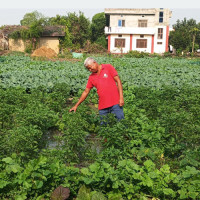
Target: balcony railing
column 130, row 30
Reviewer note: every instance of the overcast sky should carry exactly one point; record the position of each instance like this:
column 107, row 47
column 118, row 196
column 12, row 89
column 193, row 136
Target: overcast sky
column 12, row 11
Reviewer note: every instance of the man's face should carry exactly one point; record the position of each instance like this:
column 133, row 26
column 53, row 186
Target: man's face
column 93, row 67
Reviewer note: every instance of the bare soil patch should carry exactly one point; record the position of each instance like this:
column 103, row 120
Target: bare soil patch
column 44, row 52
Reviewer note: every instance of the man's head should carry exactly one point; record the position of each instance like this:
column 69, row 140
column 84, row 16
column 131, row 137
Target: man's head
column 91, row 65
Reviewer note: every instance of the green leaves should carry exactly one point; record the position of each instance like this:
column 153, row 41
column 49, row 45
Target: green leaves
column 132, row 159
column 8, row 160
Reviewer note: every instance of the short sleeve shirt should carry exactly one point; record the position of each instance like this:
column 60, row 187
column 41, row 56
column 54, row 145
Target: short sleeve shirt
column 107, row 89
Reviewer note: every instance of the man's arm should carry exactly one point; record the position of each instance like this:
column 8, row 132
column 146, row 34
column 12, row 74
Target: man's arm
column 82, row 98
column 119, row 84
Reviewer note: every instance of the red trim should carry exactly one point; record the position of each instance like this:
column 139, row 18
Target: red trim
column 167, row 39
column 131, row 41
column 109, row 38
column 152, row 44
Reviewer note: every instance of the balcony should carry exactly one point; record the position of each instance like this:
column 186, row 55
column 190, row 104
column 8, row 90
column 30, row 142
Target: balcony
column 130, row 30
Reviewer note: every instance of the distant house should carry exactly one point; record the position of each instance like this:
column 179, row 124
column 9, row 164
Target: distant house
column 144, row 30
column 49, row 37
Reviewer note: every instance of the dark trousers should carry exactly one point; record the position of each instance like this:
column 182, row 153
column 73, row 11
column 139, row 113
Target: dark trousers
column 116, row 110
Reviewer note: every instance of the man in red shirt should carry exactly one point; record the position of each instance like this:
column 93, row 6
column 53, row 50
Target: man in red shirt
column 109, row 88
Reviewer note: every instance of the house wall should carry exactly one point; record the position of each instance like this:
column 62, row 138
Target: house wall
column 50, row 42
column 149, row 41
column 160, row 48
column 131, row 21
column 152, row 42
column 16, row 45
column 131, row 17
column 114, row 49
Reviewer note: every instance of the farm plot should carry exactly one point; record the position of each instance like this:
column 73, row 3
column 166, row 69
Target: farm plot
column 153, row 153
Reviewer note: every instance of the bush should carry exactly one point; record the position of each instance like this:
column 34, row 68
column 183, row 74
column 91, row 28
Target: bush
column 167, row 54
column 102, row 42
column 136, row 54
column 94, row 48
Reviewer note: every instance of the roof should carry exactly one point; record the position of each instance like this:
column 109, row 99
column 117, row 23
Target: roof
column 53, row 31
column 134, row 11
column 8, row 29
column 48, row 31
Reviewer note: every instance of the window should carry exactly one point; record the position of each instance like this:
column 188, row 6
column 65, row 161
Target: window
column 141, row 43
column 121, row 23
column 142, row 23
column 160, row 33
column 119, row 35
column 141, row 36
column 161, row 17
column 119, row 42
column 159, row 42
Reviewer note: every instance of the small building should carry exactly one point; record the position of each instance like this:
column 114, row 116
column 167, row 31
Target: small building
column 49, row 37
column 144, row 30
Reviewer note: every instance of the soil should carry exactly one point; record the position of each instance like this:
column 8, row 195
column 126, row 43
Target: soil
column 4, row 52
column 44, row 52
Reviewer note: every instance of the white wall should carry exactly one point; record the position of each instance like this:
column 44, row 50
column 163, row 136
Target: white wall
column 157, row 47
column 149, row 42
column 113, row 49
column 131, row 21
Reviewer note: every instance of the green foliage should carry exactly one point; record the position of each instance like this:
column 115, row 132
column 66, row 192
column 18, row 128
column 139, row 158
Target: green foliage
column 34, row 31
column 58, row 20
column 151, row 154
column 182, row 38
column 102, row 41
column 85, row 194
column 78, row 28
column 34, row 179
column 31, row 18
column 97, row 27
column 136, row 54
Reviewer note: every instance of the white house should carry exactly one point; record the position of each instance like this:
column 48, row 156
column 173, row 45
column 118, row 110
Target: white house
column 137, row 29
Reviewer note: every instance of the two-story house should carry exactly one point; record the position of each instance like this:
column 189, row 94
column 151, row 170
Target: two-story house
column 137, row 29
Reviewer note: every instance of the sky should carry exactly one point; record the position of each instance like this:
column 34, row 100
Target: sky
column 12, row 11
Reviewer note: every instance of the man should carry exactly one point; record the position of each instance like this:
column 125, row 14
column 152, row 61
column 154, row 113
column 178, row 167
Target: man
column 109, row 88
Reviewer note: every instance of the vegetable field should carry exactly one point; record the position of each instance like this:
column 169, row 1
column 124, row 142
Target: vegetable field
column 153, row 153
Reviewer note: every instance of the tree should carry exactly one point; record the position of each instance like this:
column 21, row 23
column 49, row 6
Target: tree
column 97, row 26
column 58, row 20
column 179, row 40
column 79, row 28
column 185, row 35
column 33, row 17
column 194, row 31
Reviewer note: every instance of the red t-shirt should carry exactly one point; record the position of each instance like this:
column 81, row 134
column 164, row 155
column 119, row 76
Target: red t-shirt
column 106, row 86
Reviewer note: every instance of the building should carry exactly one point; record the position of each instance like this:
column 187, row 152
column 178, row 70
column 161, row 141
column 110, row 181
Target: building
column 144, row 30
column 49, row 38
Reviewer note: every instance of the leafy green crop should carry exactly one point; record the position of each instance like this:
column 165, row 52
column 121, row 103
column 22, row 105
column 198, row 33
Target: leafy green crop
column 154, row 153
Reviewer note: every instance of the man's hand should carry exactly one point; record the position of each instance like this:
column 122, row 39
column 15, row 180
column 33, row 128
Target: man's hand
column 121, row 102
column 73, row 109
column 119, row 85
column 82, row 98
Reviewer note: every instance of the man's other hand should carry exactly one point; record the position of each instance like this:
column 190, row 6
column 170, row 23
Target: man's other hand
column 73, row 109
column 121, row 102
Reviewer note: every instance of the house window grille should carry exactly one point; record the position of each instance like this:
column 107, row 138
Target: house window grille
column 161, row 14
column 160, row 33
column 121, row 23
column 141, row 43
column 142, row 23
column 120, row 43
